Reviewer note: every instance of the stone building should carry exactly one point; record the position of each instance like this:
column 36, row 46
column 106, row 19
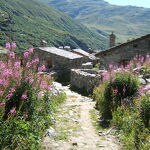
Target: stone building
column 121, row 54
column 59, row 59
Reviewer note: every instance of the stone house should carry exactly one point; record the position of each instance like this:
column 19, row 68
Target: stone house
column 59, row 59
column 121, row 54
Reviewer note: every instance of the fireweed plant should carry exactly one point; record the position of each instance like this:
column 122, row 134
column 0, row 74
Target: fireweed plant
column 25, row 102
column 125, row 103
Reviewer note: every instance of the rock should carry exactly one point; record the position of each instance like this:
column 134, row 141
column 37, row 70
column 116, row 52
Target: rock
column 75, row 144
column 147, row 76
column 148, row 80
column 104, row 123
column 57, row 88
column 142, row 81
column 100, row 133
column 147, row 89
column 138, row 69
column 141, row 76
column 51, row 133
column 112, row 130
column 102, row 146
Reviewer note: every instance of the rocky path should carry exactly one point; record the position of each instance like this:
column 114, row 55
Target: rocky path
column 73, row 128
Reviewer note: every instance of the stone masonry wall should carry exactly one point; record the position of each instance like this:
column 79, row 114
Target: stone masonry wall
column 124, row 53
column 84, row 79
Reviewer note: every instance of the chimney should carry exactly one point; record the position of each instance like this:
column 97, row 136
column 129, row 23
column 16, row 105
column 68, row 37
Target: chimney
column 43, row 43
column 112, row 38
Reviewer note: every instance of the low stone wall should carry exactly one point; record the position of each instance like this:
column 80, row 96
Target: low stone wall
column 85, row 79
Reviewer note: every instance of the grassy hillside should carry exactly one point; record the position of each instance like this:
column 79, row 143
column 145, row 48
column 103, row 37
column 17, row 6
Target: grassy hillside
column 126, row 21
column 29, row 21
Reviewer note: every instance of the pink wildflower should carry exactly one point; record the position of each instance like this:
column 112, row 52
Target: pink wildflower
column 13, row 45
column 110, row 66
column 26, row 54
column 35, row 61
column 42, row 68
column 11, row 55
column 17, row 75
column 142, row 91
column 135, row 58
column 5, row 83
column 8, row 46
column 24, row 96
column 1, row 93
column 2, row 104
column 13, row 111
column 12, row 90
column 7, row 72
column 17, row 65
column 115, row 91
column 1, row 82
column 49, row 88
column 2, row 65
column 106, row 76
column 30, row 50
column 28, row 65
column 142, row 59
column 41, row 94
column 43, row 85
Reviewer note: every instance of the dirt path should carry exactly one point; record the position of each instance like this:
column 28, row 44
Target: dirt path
column 74, row 129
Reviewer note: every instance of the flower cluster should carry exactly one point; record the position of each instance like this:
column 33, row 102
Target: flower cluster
column 11, row 46
column 18, row 69
column 138, row 65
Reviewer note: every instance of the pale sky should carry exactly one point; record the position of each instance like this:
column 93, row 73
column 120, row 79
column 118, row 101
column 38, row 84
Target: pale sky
column 140, row 3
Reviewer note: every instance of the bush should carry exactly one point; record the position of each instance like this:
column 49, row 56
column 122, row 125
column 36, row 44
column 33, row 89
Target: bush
column 129, row 121
column 21, row 134
column 118, row 90
column 26, row 103
column 121, row 99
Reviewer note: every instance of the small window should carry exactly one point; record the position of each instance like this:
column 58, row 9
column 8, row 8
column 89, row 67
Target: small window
column 135, row 46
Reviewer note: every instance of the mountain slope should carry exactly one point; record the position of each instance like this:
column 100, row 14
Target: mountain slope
column 126, row 21
column 29, row 21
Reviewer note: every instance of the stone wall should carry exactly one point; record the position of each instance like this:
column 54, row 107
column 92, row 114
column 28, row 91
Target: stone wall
column 121, row 54
column 85, row 79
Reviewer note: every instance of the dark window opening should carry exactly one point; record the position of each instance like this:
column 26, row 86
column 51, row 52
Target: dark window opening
column 49, row 64
column 124, row 62
column 135, row 46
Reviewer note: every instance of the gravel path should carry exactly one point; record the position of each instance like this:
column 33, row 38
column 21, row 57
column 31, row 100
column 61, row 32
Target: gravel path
column 74, row 130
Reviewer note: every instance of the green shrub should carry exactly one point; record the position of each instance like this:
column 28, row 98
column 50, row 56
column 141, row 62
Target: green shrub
column 119, row 90
column 131, row 125
column 145, row 109
column 21, row 134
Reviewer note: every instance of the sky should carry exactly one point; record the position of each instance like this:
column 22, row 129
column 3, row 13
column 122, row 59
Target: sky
column 140, row 3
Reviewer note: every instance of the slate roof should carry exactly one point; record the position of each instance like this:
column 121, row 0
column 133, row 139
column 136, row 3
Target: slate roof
column 61, row 52
column 80, row 51
column 124, row 44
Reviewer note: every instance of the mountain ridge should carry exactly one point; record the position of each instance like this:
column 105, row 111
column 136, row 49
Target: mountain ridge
column 28, row 22
column 125, row 21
